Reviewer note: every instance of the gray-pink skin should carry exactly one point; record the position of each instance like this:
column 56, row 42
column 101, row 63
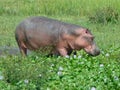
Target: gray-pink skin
column 35, row 33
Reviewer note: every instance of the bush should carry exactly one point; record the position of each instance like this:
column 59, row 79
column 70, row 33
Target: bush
column 25, row 74
column 73, row 73
column 105, row 15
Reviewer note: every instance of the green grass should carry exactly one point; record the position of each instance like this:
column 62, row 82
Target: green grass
column 54, row 7
column 37, row 72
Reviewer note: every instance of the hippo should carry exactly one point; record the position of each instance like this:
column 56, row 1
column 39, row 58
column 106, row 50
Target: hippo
column 40, row 33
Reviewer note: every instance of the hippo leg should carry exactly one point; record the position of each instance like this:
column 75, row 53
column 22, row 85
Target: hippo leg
column 53, row 53
column 22, row 48
column 58, row 52
column 63, row 52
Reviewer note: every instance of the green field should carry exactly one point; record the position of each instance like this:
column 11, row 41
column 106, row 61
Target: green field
column 81, row 72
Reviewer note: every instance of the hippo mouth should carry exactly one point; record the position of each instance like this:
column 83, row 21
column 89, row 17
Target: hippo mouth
column 94, row 52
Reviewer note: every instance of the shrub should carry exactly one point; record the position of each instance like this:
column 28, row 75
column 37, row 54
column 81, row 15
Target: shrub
column 23, row 74
column 105, row 15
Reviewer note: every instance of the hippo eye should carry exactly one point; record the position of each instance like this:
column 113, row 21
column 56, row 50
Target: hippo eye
column 87, row 31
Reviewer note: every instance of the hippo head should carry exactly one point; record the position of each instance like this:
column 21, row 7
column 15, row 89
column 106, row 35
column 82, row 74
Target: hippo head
column 85, row 40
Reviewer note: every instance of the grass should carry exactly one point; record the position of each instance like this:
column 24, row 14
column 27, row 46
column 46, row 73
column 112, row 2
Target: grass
column 54, row 7
column 37, row 72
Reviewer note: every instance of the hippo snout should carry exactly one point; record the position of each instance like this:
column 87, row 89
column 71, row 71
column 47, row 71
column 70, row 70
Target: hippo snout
column 92, row 51
column 95, row 52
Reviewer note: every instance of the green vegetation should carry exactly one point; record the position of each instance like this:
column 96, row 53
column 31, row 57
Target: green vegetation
column 81, row 72
column 105, row 15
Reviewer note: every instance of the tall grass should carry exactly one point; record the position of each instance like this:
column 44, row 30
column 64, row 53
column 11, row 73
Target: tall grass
column 54, row 7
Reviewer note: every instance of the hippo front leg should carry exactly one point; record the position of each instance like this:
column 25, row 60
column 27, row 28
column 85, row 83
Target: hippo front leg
column 58, row 52
column 63, row 52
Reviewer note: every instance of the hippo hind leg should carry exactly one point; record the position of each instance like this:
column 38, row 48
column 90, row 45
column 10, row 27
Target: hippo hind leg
column 22, row 48
column 20, row 38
